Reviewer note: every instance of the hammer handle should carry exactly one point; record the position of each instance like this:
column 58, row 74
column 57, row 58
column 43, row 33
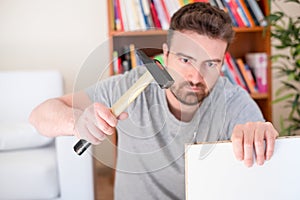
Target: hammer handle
column 118, row 107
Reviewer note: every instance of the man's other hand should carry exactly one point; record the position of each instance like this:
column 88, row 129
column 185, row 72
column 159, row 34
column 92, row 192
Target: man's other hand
column 254, row 137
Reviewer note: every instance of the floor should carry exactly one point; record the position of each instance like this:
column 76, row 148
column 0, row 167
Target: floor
column 104, row 183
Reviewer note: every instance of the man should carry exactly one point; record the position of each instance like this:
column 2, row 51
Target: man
column 200, row 106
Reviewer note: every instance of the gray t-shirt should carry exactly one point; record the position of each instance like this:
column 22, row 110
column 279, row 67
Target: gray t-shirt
column 151, row 142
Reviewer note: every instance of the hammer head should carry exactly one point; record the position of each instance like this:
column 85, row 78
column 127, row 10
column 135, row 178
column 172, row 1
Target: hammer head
column 159, row 73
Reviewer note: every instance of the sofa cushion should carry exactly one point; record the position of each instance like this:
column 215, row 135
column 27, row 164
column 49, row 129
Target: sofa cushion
column 29, row 174
column 15, row 136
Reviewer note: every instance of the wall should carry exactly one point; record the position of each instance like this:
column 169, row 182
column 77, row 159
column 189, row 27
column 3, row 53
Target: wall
column 278, row 109
column 56, row 34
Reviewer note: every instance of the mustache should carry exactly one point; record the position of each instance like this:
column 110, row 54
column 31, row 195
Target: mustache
column 191, row 84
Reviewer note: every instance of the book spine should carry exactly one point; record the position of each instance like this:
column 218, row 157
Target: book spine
column 132, row 56
column 242, row 13
column 247, row 12
column 145, row 12
column 166, row 12
column 244, row 73
column 228, row 73
column 156, row 21
column 234, row 69
column 140, row 15
column 258, row 14
column 230, row 12
column 123, row 12
column 258, row 62
column 161, row 15
column 115, row 62
column 234, row 9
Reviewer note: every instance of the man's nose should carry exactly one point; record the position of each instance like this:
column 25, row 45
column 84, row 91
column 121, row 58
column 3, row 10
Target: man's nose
column 194, row 75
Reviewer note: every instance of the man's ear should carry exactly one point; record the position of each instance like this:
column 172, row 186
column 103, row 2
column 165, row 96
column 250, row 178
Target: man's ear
column 165, row 53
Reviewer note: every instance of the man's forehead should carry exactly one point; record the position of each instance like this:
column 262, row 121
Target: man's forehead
column 186, row 45
column 197, row 46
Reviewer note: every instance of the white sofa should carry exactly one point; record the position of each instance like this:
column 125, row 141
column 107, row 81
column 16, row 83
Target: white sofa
column 33, row 166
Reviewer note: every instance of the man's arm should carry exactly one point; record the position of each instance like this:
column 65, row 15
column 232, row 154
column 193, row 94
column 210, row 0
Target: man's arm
column 55, row 117
column 74, row 114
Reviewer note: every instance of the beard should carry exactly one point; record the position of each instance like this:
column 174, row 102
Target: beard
column 185, row 96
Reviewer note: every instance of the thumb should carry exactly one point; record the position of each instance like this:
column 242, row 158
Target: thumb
column 123, row 116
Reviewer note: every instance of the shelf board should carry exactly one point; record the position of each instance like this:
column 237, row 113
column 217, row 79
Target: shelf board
column 138, row 33
column 258, row 96
column 164, row 32
column 247, row 29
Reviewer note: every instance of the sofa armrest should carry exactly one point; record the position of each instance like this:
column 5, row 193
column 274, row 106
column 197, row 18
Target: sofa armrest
column 75, row 172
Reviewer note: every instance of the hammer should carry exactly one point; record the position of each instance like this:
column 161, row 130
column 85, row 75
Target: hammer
column 155, row 71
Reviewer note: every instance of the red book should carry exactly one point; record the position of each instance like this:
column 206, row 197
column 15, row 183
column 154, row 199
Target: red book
column 233, row 69
column 154, row 15
column 120, row 14
column 166, row 12
column 230, row 4
column 246, row 76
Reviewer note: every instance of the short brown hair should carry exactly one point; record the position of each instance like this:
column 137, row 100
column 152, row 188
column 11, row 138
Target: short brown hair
column 203, row 19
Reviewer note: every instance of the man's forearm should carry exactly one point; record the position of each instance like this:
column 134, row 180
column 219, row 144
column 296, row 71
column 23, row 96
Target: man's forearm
column 53, row 118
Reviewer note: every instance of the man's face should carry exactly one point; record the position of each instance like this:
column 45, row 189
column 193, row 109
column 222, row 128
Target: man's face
column 194, row 61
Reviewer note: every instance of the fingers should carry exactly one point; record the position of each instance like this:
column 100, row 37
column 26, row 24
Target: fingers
column 123, row 116
column 271, row 134
column 96, row 122
column 251, row 137
column 248, row 145
column 237, row 139
column 259, row 145
column 105, row 113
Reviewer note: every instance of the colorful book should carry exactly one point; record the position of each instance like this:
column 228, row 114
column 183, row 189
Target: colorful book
column 242, row 13
column 259, row 62
column 258, row 14
column 132, row 56
column 234, row 70
column 155, row 19
column 227, row 73
column 145, row 8
column 162, row 16
column 139, row 20
column 233, row 9
column 123, row 15
column 248, row 80
column 247, row 12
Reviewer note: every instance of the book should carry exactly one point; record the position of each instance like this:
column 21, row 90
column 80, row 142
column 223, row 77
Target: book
column 139, row 20
column 247, row 12
column 233, row 9
column 234, row 70
column 153, row 11
column 115, row 62
column 248, row 80
column 125, row 58
column 227, row 73
column 257, row 12
column 145, row 8
column 162, row 16
column 259, row 62
column 131, row 15
column 172, row 6
column 242, row 13
column 123, row 15
column 132, row 56
column 166, row 12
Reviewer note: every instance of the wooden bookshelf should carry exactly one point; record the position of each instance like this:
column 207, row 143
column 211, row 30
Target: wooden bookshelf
column 254, row 39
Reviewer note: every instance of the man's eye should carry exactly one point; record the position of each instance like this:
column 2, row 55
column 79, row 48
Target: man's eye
column 184, row 60
column 211, row 64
